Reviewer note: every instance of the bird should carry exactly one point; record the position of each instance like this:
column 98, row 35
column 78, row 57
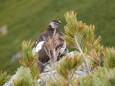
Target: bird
column 43, row 39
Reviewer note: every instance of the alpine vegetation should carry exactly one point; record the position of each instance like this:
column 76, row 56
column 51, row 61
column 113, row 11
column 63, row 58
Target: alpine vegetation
column 89, row 64
column 4, row 77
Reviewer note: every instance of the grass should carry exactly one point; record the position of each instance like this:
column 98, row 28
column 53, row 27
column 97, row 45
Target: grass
column 27, row 19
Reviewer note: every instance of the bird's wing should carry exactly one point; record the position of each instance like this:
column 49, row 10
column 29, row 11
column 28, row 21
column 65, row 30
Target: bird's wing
column 41, row 37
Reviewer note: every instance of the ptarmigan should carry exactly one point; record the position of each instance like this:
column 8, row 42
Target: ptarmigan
column 43, row 38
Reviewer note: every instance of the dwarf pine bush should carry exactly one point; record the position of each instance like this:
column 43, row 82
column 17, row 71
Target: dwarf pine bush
column 101, row 77
column 30, row 59
column 28, row 74
column 68, row 65
column 23, row 77
column 81, row 36
column 109, row 60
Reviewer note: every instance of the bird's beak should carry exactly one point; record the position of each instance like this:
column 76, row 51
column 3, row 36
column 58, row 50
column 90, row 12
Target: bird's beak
column 59, row 22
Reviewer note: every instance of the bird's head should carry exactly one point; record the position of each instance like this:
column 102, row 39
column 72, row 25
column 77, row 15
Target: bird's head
column 54, row 24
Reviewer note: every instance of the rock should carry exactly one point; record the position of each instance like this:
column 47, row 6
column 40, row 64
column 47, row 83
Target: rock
column 3, row 30
column 10, row 82
column 46, row 76
column 16, row 56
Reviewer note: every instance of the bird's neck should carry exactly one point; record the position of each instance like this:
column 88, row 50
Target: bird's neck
column 51, row 29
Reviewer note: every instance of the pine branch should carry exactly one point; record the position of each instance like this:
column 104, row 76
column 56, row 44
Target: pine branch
column 77, row 44
column 81, row 36
column 109, row 57
column 30, row 59
column 24, row 77
column 4, row 77
column 67, row 66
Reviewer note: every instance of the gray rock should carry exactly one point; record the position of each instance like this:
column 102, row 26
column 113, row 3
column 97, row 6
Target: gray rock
column 3, row 30
column 16, row 56
column 10, row 82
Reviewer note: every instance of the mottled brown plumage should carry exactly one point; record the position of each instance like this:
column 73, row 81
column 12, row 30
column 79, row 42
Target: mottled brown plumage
column 44, row 36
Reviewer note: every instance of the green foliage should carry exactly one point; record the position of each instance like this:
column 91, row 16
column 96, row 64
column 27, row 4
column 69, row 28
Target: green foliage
column 81, row 36
column 102, row 77
column 56, row 80
column 4, row 77
column 28, row 74
column 84, row 81
column 67, row 66
column 109, row 59
column 57, row 83
column 24, row 77
column 30, row 59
